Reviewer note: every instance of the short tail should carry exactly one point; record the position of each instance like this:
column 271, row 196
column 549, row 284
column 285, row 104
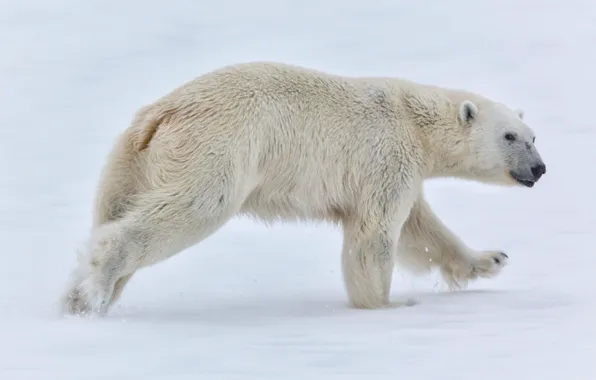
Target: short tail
column 123, row 176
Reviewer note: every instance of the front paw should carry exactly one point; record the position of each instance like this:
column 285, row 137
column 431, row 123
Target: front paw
column 489, row 263
column 486, row 264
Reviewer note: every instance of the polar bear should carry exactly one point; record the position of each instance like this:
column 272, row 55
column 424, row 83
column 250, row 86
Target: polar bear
column 282, row 142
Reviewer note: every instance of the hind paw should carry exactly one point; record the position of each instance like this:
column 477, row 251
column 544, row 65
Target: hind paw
column 86, row 300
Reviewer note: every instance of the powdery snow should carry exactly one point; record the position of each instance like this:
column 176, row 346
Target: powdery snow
column 253, row 302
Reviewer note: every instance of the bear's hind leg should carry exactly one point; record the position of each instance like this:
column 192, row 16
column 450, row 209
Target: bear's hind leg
column 160, row 226
column 119, row 288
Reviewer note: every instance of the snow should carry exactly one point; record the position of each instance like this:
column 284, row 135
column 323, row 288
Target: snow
column 256, row 302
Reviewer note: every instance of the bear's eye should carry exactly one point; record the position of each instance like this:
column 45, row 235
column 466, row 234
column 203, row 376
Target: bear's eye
column 509, row 137
column 533, row 139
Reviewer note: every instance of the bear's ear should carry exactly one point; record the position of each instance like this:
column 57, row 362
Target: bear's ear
column 467, row 111
column 520, row 113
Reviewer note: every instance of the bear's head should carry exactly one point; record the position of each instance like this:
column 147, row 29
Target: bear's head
column 500, row 145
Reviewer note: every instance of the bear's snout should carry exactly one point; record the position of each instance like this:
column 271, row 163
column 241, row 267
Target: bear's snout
column 529, row 175
column 538, row 171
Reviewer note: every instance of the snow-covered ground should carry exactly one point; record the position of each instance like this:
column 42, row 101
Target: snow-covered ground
column 253, row 302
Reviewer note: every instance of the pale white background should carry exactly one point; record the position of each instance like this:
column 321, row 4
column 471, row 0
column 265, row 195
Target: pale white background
column 256, row 302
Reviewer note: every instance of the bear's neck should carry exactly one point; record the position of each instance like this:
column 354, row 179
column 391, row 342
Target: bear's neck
column 437, row 124
column 443, row 162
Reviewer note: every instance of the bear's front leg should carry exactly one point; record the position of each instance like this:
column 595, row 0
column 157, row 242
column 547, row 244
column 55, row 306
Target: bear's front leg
column 426, row 242
column 367, row 268
column 368, row 255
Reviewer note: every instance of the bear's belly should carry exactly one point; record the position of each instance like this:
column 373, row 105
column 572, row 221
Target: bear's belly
column 292, row 203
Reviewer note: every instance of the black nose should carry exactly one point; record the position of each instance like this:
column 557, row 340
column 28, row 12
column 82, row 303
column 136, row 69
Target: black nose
column 538, row 171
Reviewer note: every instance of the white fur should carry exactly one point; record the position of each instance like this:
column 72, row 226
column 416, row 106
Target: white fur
column 279, row 142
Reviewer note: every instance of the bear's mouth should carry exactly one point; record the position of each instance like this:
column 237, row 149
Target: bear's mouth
column 522, row 181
